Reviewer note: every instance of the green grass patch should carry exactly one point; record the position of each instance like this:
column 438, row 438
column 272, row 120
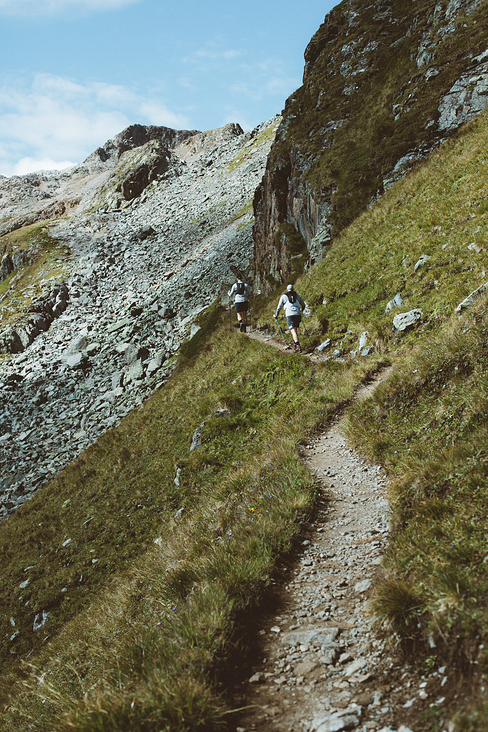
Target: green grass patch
column 245, row 210
column 140, row 553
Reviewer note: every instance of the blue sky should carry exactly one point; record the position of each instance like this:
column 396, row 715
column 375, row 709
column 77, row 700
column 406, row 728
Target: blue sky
column 73, row 73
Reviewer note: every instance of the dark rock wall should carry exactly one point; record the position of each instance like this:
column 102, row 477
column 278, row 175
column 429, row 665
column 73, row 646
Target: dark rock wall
column 384, row 84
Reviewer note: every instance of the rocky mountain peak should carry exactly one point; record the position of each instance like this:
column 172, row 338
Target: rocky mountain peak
column 132, row 137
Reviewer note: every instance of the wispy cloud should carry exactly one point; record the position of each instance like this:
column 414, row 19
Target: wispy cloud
column 239, row 78
column 264, row 79
column 56, row 7
column 52, row 121
column 212, row 56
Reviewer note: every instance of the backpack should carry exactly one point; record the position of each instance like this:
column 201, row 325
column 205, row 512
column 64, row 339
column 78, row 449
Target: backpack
column 292, row 296
column 240, row 288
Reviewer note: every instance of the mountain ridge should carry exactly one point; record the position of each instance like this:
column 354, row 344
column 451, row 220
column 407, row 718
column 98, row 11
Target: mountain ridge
column 384, row 84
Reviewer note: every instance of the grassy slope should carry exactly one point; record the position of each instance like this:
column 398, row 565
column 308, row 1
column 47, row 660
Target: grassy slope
column 142, row 600
column 428, row 424
column 133, row 644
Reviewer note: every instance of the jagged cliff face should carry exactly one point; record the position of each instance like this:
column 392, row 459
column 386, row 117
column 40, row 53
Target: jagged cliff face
column 384, row 84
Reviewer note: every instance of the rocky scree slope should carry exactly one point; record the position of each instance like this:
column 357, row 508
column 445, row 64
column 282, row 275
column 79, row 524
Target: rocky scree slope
column 101, row 338
column 384, row 84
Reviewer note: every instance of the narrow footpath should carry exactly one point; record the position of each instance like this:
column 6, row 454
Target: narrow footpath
column 323, row 666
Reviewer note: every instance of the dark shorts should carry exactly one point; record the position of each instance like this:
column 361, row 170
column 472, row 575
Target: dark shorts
column 293, row 321
column 241, row 307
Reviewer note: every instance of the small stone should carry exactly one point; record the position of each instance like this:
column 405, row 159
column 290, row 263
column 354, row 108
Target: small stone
column 324, row 345
column 355, row 666
column 362, row 586
column 421, row 261
column 256, row 678
column 74, row 361
column 338, row 723
column 329, row 655
column 305, row 668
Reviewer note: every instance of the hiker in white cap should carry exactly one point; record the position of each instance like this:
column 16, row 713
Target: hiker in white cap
column 241, row 292
column 293, row 305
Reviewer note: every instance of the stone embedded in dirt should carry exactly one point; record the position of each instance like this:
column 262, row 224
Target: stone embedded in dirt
column 311, row 637
column 336, row 723
column 403, row 321
column 329, row 655
column 355, row 666
column 363, row 586
column 303, row 669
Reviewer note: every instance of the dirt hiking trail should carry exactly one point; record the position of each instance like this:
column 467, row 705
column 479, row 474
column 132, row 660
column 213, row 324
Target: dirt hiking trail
column 321, row 666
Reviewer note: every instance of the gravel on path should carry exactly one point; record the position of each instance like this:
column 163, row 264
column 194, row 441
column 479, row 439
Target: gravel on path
column 323, row 666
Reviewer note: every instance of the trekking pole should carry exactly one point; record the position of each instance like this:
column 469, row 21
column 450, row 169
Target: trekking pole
column 282, row 334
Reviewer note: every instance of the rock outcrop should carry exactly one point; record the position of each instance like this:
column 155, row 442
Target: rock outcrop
column 384, row 84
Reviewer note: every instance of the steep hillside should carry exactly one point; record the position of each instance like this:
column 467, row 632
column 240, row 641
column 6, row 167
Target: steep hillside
column 125, row 578
column 94, row 306
column 384, row 84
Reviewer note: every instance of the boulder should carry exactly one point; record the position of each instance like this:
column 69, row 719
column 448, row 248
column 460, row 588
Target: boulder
column 395, row 303
column 403, row 321
column 77, row 345
column 6, row 267
column 467, row 302
column 135, row 371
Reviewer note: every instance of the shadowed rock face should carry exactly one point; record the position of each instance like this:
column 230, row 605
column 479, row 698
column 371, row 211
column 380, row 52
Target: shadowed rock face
column 384, row 84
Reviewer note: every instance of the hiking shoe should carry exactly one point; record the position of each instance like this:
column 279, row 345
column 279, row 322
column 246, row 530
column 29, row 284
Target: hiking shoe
column 298, row 347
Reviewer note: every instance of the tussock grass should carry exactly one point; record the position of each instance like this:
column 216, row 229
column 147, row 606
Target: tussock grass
column 430, row 430
column 134, row 639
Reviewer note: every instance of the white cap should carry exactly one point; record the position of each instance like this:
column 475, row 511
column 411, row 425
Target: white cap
column 290, row 287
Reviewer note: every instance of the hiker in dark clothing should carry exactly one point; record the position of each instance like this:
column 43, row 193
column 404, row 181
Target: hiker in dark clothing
column 293, row 305
column 241, row 293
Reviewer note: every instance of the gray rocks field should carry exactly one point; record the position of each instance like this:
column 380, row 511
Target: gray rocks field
column 143, row 261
